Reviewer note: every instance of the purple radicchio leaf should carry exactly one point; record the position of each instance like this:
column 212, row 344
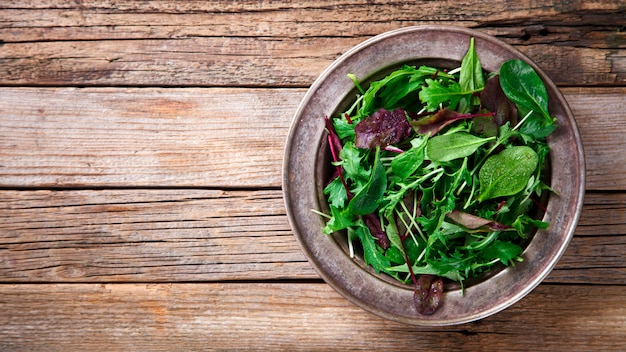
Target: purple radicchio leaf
column 493, row 99
column 473, row 222
column 436, row 122
column 382, row 128
column 373, row 224
column 335, row 148
column 428, row 294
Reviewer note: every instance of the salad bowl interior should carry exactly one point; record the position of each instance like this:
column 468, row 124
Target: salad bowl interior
column 307, row 168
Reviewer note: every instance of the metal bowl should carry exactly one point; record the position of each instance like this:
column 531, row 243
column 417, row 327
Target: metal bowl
column 307, row 166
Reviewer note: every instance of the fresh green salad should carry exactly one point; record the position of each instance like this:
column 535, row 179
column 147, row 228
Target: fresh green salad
column 438, row 172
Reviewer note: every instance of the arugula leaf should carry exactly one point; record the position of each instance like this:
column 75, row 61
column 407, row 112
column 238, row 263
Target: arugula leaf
column 393, row 87
column 336, row 193
column 536, row 128
column 504, row 251
column 523, row 222
column 410, row 160
column 427, row 269
column 435, row 94
column 337, row 222
column 371, row 253
column 351, row 161
column 344, row 129
column 395, row 256
column 399, row 88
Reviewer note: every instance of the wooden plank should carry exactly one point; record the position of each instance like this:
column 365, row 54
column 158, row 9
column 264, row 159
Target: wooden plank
column 290, row 317
column 237, row 61
column 210, row 235
column 147, row 235
column 30, row 21
column 156, row 137
column 212, row 43
column 602, row 156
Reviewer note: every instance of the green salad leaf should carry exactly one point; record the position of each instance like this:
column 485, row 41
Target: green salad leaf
column 366, row 200
column 472, row 77
column 454, row 146
column 507, row 172
column 523, row 86
column 452, row 190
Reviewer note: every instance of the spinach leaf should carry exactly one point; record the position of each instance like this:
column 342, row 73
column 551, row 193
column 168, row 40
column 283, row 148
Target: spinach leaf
column 453, row 146
column 507, row 172
column 524, row 87
column 366, row 200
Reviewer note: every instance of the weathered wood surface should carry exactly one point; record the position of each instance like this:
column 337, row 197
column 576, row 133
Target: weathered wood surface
column 291, row 316
column 209, row 235
column 140, row 169
column 279, row 43
column 213, row 137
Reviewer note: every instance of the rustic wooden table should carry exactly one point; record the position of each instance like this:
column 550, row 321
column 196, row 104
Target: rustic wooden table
column 141, row 146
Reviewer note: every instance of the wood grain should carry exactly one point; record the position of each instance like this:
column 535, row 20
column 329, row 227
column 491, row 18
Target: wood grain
column 141, row 146
column 292, row 317
column 157, row 137
column 278, row 43
column 147, row 235
column 211, row 235
column 192, row 137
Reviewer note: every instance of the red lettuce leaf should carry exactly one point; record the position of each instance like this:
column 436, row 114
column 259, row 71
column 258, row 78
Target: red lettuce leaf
column 373, row 224
column 473, row 222
column 382, row 128
column 436, row 122
column 493, row 99
column 428, row 294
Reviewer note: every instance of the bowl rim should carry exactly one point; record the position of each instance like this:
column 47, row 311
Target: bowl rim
column 296, row 197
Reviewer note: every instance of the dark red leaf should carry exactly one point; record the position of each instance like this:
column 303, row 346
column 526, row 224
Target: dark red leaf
column 382, row 128
column 373, row 224
column 335, row 148
column 428, row 294
column 485, row 125
column 474, row 222
column 493, row 99
column 434, row 123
